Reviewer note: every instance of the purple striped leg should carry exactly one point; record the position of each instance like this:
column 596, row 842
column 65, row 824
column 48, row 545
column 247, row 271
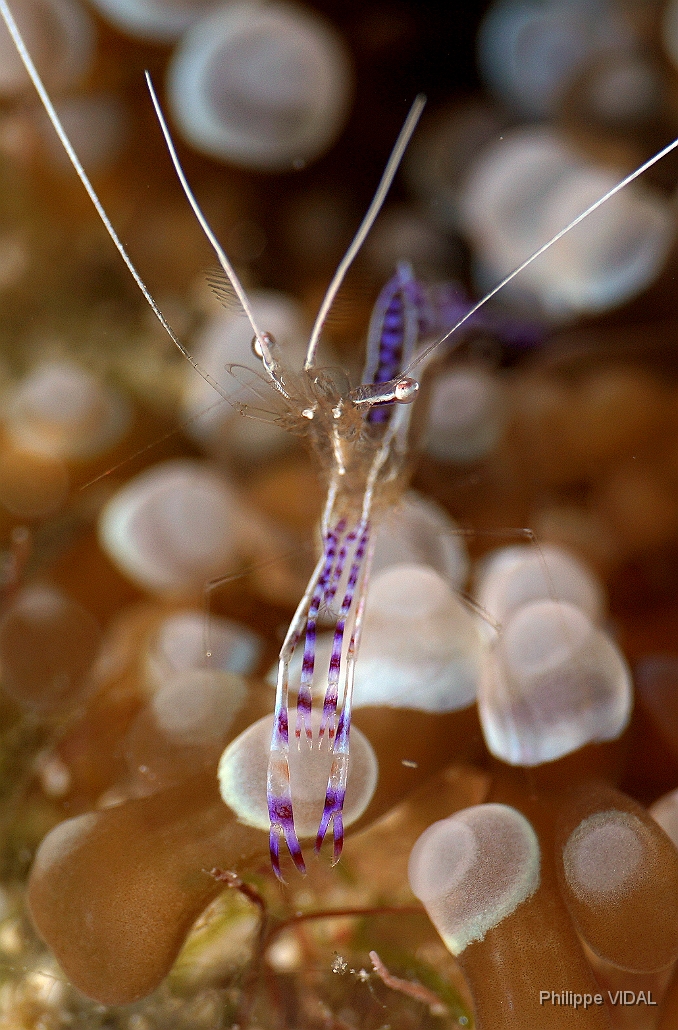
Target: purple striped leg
column 305, row 694
column 332, row 692
column 338, row 570
column 336, row 783
column 336, row 790
column 278, row 790
column 329, row 597
column 280, row 801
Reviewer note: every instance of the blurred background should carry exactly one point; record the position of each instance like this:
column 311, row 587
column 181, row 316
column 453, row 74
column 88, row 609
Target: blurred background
column 284, row 118
column 556, row 412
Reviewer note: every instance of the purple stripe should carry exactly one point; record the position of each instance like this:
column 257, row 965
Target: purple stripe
column 343, row 730
column 280, row 728
column 334, row 797
column 274, row 852
column 391, row 347
column 339, row 567
column 334, row 807
column 305, row 692
column 304, row 705
column 282, row 824
column 331, row 693
column 402, row 309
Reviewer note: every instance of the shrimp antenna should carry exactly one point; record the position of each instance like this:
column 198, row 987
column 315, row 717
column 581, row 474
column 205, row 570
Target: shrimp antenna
column 205, row 226
column 366, row 224
column 421, row 357
column 27, row 60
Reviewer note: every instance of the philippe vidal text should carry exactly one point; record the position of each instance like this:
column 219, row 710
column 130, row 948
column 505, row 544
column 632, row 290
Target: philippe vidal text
column 585, row 1001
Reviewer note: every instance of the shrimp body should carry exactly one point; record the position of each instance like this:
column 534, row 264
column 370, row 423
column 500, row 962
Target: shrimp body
column 361, row 437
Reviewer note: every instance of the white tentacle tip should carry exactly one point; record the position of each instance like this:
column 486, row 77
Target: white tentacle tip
column 473, row 870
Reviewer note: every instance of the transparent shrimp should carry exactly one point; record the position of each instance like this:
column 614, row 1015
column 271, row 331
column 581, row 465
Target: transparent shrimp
column 360, row 439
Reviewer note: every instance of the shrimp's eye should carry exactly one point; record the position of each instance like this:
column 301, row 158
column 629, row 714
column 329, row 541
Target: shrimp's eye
column 256, row 345
column 406, row 390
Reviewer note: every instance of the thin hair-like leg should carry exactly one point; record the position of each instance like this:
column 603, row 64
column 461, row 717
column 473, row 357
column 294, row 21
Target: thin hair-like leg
column 336, row 783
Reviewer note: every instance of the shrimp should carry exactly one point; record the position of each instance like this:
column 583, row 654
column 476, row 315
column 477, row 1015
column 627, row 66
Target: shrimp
column 359, row 435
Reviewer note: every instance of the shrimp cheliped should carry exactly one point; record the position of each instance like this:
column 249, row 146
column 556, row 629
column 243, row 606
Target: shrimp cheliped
column 360, row 437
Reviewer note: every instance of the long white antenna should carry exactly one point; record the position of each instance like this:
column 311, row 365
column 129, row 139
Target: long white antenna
column 533, row 257
column 205, row 226
column 13, row 30
column 366, row 224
